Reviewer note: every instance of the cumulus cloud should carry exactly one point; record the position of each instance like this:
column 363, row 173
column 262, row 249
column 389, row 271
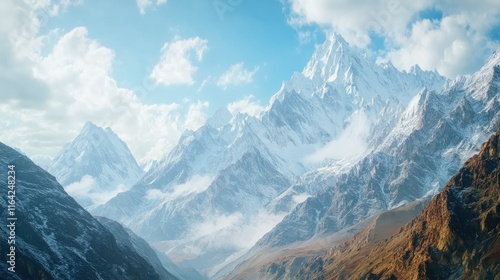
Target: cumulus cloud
column 145, row 4
column 355, row 19
column 350, row 143
column 235, row 75
column 48, row 98
column 176, row 66
column 448, row 46
column 247, row 105
column 455, row 43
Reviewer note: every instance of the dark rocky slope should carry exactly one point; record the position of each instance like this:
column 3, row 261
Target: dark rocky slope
column 55, row 238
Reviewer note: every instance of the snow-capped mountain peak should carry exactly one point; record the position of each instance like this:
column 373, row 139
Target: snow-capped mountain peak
column 95, row 166
column 337, row 68
column 494, row 59
column 57, row 239
column 486, row 82
column 89, row 126
column 328, row 59
column 220, row 118
column 341, row 96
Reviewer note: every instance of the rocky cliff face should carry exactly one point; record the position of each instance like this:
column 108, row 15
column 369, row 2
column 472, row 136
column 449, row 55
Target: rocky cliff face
column 288, row 262
column 55, row 238
column 129, row 241
column 456, row 236
column 424, row 146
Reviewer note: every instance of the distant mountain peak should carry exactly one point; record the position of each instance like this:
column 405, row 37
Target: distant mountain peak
column 57, row 239
column 221, row 117
column 335, row 66
column 488, row 75
column 90, row 127
column 96, row 159
column 491, row 63
column 415, row 69
column 495, row 57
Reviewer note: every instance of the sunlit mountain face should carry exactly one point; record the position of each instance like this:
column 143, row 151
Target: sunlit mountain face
column 249, row 139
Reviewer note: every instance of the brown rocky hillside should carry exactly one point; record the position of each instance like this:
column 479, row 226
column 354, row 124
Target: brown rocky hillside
column 457, row 235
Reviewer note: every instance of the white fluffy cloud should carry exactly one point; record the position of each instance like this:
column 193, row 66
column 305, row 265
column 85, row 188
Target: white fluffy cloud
column 448, row 46
column 48, row 98
column 247, row 105
column 235, row 75
column 145, row 4
column 176, row 66
column 354, row 19
column 455, row 44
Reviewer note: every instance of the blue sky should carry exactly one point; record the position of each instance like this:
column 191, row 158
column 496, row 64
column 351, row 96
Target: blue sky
column 150, row 69
column 254, row 33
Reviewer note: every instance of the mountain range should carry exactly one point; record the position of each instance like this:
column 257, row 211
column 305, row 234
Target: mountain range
column 343, row 147
column 340, row 142
column 456, row 236
column 430, row 139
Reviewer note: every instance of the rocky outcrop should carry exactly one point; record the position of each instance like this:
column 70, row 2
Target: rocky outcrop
column 55, row 238
column 457, row 236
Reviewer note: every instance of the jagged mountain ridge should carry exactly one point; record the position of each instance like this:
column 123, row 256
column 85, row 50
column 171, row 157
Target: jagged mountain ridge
column 306, row 114
column 55, row 238
column 97, row 160
column 224, row 159
column 456, row 236
column 434, row 135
